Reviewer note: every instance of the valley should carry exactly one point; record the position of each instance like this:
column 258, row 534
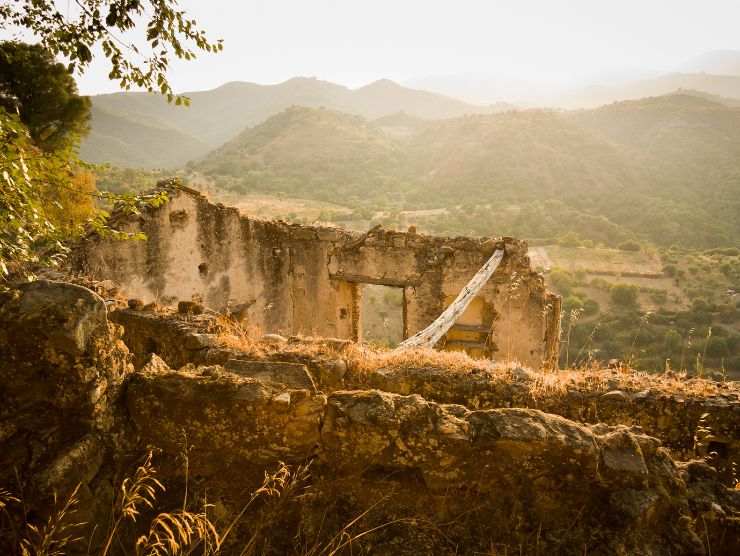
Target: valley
column 567, row 181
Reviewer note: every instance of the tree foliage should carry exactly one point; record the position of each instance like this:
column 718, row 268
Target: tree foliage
column 45, row 193
column 27, row 235
column 169, row 33
column 47, row 199
column 43, row 93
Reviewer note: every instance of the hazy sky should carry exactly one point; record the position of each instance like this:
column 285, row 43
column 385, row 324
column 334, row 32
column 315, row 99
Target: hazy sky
column 354, row 42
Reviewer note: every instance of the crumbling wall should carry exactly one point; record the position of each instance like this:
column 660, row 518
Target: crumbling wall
column 431, row 477
column 693, row 418
column 293, row 279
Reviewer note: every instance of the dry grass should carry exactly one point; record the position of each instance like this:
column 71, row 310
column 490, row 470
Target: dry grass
column 173, row 533
column 169, row 534
column 181, row 532
column 56, row 534
column 364, row 359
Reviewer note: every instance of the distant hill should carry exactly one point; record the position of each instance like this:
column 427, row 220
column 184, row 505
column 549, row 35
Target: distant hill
column 591, row 97
column 732, row 102
column 217, row 116
column 130, row 142
column 631, row 86
column 687, row 149
column 716, row 62
column 515, row 156
column 661, row 168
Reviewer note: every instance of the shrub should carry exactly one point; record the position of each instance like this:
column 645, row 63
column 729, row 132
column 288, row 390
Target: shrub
column 700, row 304
column 569, row 239
column 624, row 296
column 562, row 280
column 600, row 283
column 672, row 341
column 717, row 347
column 571, row 303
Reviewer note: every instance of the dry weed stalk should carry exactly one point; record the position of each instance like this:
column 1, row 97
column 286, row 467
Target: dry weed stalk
column 345, row 537
column 136, row 493
column 174, row 533
column 232, row 334
column 283, row 484
column 54, row 536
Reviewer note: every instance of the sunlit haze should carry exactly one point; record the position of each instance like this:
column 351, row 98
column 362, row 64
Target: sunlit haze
column 554, row 43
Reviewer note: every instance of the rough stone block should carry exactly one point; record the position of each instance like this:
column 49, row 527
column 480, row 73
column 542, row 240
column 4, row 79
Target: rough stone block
column 289, row 375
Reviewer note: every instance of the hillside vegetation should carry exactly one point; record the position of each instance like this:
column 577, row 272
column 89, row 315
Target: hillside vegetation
column 535, row 174
column 218, row 115
column 133, row 142
column 313, row 152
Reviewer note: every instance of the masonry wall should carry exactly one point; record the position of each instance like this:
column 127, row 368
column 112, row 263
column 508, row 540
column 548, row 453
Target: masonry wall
column 293, row 279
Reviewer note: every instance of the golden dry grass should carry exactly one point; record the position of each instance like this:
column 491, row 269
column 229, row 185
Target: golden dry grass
column 364, row 359
column 181, row 532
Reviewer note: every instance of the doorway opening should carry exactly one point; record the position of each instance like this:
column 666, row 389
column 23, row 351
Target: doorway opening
column 381, row 315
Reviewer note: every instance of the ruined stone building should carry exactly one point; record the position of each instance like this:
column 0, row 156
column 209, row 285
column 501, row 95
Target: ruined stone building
column 293, row 279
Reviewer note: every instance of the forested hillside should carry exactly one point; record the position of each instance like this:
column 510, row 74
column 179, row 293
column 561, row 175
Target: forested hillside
column 312, row 153
column 650, row 169
column 132, row 142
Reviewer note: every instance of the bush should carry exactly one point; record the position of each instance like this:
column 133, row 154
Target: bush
column 700, row 304
column 733, row 343
column 659, row 297
column 600, row 283
column 672, row 341
column 717, row 347
column 728, row 314
column 572, row 303
column 570, row 239
column 624, row 296
column 563, row 281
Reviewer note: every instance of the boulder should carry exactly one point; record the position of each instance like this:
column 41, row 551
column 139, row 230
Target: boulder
column 62, row 368
column 66, row 315
column 558, row 474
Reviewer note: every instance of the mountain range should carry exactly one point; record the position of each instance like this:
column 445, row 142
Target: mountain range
column 143, row 130
column 673, row 152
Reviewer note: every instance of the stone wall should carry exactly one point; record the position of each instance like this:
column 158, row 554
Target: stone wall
column 429, row 477
column 692, row 417
column 294, row 279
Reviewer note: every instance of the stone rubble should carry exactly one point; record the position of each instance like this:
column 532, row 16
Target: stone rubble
column 473, row 459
